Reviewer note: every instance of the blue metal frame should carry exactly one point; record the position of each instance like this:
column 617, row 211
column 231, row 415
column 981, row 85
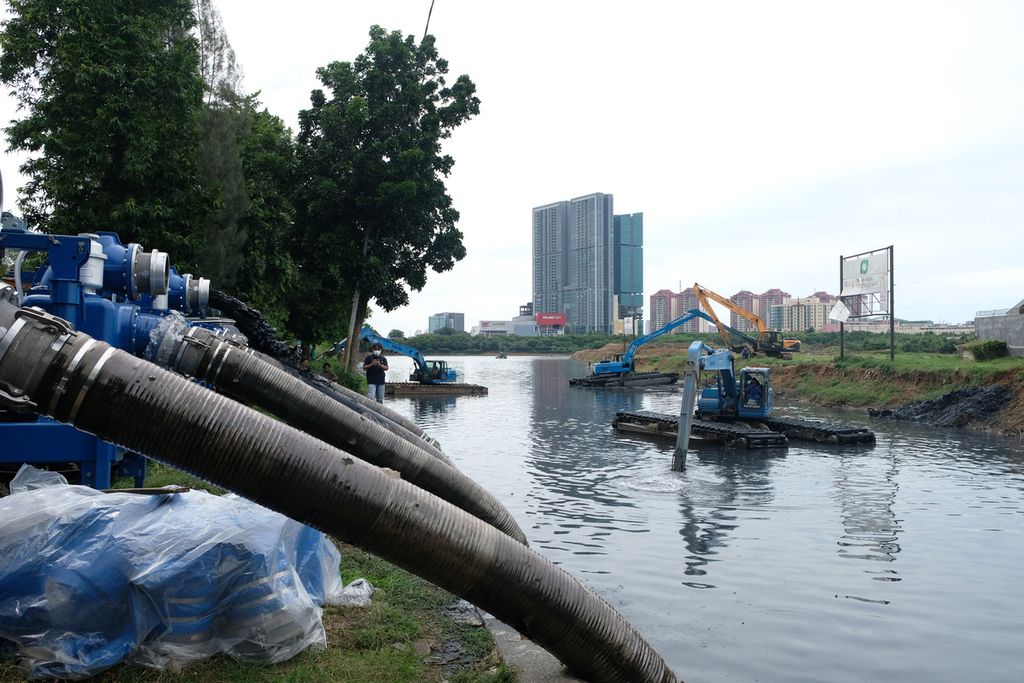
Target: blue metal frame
column 125, row 326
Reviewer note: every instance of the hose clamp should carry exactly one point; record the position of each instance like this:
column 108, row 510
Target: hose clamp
column 62, row 384
column 58, row 325
column 12, row 332
column 88, row 383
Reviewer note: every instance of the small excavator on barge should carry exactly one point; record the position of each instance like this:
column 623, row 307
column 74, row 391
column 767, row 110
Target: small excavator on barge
column 621, row 370
column 736, row 411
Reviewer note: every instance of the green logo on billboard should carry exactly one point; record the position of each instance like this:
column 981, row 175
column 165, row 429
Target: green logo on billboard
column 864, row 266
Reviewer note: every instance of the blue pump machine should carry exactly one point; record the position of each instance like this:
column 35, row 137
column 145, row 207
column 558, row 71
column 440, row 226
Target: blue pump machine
column 113, row 292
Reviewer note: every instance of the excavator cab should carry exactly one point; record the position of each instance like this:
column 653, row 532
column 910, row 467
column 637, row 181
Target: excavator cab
column 755, row 393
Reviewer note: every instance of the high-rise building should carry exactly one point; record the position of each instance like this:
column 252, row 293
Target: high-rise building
column 747, row 300
column 574, row 262
column 629, row 264
column 456, row 321
column 688, row 301
column 667, row 305
column 662, row 304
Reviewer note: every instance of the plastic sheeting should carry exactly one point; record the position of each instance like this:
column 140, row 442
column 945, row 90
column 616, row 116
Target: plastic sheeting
column 88, row 580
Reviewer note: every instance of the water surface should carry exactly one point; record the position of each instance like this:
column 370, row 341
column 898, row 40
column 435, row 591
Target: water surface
column 903, row 561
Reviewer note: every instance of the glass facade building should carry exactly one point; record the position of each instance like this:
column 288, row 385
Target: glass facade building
column 629, row 264
column 574, row 262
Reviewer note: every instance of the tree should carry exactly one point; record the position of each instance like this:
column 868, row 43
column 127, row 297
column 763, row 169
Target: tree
column 269, row 273
column 396, row 334
column 374, row 191
column 112, row 99
column 227, row 117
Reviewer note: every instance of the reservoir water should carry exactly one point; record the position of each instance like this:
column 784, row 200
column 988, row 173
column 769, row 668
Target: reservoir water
column 898, row 562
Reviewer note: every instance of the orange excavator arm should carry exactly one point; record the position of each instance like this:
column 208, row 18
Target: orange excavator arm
column 703, row 294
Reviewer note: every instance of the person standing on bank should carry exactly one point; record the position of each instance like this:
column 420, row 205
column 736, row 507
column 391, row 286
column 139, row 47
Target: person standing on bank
column 375, row 366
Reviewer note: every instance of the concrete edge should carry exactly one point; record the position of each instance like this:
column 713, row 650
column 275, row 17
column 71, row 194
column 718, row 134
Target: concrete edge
column 533, row 663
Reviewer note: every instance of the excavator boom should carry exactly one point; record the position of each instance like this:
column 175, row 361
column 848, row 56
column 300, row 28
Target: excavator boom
column 770, row 342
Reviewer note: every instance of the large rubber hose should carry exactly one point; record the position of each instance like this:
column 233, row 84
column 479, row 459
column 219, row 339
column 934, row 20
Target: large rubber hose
column 391, row 420
column 46, row 367
column 217, row 361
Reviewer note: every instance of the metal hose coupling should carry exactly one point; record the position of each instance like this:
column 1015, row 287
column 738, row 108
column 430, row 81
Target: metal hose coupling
column 225, row 364
column 143, row 408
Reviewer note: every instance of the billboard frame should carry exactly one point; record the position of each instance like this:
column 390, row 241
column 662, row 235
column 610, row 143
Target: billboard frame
column 891, row 307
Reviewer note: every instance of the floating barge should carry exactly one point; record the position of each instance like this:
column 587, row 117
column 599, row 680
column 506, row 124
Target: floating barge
column 731, row 434
column 633, row 379
column 765, row 433
column 440, row 389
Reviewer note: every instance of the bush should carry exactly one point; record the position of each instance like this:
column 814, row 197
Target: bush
column 986, row 350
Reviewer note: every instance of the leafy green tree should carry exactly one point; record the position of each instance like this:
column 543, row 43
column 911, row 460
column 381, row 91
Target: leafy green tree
column 227, row 117
column 374, row 193
column 396, row 334
column 269, row 273
column 112, row 100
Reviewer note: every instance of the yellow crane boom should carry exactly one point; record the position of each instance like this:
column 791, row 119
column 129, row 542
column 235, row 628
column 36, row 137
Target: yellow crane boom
column 769, row 342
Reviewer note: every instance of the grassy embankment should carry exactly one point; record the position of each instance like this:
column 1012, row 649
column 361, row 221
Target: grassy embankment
column 391, row 641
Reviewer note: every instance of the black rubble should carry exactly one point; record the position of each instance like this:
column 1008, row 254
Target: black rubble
column 956, row 409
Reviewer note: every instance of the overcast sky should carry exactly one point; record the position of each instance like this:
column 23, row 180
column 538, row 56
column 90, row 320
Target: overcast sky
column 761, row 140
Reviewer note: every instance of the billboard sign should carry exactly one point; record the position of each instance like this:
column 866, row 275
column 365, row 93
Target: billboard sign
column 550, row 319
column 866, row 274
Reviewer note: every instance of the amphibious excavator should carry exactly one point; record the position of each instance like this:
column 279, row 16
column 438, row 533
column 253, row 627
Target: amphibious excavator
column 735, row 410
column 621, row 369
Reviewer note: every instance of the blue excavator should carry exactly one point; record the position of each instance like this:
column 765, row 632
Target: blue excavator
column 621, row 369
column 734, row 409
column 426, row 372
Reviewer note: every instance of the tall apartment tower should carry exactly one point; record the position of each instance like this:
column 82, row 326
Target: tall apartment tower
column 663, row 303
column 574, row 261
column 749, row 301
column 629, row 264
column 667, row 305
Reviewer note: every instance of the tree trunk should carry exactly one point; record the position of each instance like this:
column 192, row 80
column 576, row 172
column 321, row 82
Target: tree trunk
column 353, row 328
column 360, row 316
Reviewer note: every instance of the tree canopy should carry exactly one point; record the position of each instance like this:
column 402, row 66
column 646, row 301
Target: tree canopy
column 373, row 192
column 112, row 99
column 134, row 119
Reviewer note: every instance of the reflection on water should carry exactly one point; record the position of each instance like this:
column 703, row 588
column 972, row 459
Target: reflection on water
column 575, row 473
column 426, row 406
column 866, row 490
column 902, row 561
column 720, row 481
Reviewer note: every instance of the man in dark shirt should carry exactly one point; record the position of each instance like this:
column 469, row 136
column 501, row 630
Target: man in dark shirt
column 375, row 366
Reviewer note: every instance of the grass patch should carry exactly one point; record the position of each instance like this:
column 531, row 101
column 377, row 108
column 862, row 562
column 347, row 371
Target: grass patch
column 869, row 378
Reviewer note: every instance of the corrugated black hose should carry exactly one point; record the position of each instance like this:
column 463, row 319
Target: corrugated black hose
column 387, row 418
column 48, row 368
column 203, row 354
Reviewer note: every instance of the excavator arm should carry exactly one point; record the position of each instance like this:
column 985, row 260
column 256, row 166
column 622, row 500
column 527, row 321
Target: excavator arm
column 427, row 371
column 627, row 363
column 768, row 341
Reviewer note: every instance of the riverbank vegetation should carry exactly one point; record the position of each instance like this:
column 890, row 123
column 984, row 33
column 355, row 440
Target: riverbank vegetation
column 156, row 139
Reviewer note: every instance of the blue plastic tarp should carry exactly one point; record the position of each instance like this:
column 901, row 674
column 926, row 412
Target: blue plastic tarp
column 88, row 580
